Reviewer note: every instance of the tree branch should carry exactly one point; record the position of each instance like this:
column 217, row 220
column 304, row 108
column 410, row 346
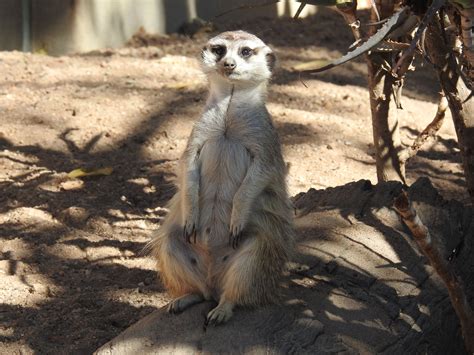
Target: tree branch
column 456, row 293
column 439, row 49
column 428, row 133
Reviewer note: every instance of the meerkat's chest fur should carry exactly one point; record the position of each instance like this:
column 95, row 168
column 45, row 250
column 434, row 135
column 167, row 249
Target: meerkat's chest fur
column 231, row 130
column 234, row 119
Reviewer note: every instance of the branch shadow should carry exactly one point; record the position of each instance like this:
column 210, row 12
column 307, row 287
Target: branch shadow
column 362, row 204
column 76, row 267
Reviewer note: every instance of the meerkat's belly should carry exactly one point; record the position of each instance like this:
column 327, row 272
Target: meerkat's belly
column 224, row 164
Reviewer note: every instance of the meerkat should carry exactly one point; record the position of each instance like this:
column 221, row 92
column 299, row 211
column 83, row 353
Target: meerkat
column 229, row 229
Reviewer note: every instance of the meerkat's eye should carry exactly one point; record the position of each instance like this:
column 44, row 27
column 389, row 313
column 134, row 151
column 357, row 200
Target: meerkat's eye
column 219, row 51
column 246, row 52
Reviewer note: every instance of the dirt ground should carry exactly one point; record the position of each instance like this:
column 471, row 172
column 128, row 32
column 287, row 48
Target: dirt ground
column 73, row 274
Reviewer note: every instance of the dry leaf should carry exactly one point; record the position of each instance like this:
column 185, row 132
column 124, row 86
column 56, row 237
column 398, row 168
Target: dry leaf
column 311, row 65
column 180, row 85
column 77, row 173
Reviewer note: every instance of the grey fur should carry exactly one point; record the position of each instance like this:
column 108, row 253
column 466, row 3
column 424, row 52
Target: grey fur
column 229, row 229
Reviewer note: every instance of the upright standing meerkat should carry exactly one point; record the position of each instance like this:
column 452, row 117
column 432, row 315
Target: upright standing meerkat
column 229, row 229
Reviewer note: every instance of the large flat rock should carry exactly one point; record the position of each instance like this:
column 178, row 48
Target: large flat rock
column 357, row 285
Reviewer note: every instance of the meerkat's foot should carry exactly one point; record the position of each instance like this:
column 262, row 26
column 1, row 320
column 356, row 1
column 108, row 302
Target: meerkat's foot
column 181, row 303
column 221, row 314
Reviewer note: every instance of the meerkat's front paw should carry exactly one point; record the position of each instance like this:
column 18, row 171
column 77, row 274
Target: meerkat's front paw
column 190, row 227
column 221, row 314
column 237, row 225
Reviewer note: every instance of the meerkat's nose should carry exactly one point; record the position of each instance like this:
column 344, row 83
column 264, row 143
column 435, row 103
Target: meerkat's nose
column 229, row 64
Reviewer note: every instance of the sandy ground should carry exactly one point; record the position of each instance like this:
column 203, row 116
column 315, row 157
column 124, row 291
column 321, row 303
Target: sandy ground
column 73, row 275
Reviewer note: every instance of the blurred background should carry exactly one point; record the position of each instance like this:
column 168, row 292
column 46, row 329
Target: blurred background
column 59, row 27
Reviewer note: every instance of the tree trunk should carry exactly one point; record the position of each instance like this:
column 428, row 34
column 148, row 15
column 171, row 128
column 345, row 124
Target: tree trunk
column 456, row 93
column 384, row 120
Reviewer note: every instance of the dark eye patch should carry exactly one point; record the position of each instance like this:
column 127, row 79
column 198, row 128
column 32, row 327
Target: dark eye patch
column 219, row 51
column 246, row 52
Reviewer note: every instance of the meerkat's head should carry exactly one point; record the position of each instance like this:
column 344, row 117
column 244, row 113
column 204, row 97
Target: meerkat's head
column 238, row 57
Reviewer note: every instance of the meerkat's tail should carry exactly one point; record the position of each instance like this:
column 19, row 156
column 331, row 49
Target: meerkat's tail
column 181, row 265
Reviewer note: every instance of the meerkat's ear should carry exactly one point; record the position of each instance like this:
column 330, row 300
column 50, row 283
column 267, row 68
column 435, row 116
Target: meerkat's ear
column 271, row 60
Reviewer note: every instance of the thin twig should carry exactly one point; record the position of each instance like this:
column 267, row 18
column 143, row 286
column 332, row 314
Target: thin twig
column 298, row 12
column 374, row 8
column 435, row 6
column 368, row 24
column 350, row 16
column 425, row 242
column 428, row 133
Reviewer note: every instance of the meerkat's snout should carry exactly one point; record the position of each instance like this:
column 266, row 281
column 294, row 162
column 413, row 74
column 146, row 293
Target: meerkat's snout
column 229, row 65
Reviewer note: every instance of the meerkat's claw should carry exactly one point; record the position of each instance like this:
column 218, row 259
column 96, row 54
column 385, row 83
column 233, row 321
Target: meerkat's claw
column 188, row 232
column 236, row 232
column 221, row 314
column 184, row 235
column 181, row 303
column 234, row 239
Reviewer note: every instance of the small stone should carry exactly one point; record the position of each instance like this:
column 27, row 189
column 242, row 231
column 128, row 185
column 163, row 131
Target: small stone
column 75, row 216
column 68, row 185
column 329, row 146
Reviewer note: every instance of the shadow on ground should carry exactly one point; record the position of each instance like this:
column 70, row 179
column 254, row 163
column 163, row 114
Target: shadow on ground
column 70, row 248
column 358, row 285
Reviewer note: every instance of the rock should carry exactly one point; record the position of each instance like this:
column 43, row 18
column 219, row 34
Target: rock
column 352, row 287
column 74, row 216
column 75, row 184
column 290, row 328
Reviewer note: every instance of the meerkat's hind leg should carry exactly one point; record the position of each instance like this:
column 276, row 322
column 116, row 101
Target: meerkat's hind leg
column 220, row 314
column 181, row 303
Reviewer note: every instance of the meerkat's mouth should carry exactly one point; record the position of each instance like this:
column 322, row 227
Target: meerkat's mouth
column 229, row 74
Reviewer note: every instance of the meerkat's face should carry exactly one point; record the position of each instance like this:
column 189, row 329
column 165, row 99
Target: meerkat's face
column 238, row 56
